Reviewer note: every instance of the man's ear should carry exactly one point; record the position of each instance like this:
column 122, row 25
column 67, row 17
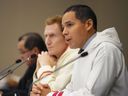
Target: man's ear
column 35, row 50
column 88, row 24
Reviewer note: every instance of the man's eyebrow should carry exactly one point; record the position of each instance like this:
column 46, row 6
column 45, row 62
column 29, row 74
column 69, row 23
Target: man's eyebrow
column 66, row 22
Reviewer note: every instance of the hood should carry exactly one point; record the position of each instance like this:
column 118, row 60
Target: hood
column 108, row 35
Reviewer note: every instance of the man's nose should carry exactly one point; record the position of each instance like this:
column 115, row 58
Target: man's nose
column 48, row 41
column 65, row 32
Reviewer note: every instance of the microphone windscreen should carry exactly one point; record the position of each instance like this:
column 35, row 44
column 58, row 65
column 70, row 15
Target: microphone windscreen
column 18, row 61
column 84, row 54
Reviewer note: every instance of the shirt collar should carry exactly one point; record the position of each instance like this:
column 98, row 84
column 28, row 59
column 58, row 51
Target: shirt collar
column 88, row 41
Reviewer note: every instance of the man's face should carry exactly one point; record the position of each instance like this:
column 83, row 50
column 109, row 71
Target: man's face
column 74, row 30
column 24, row 53
column 54, row 40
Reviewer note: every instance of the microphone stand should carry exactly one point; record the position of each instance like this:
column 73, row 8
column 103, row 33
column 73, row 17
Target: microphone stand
column 81, row 55
column 10, row 69
column 72, row 60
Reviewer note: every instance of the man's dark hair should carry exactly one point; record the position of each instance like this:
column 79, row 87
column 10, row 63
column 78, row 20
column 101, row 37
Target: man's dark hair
column 83, row 13
column 33, row 39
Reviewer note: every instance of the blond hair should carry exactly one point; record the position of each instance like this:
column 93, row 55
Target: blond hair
column 56, row 19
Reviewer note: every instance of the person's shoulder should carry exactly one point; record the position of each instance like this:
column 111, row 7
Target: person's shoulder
column 110, row 48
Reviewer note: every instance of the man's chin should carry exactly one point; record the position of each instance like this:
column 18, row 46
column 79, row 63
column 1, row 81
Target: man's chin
column 72, row 46
column 51, row 53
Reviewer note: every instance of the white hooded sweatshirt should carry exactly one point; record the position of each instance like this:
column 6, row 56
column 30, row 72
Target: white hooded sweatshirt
column 103, row 71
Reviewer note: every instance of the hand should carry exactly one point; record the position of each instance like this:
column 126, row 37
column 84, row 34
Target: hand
column 46, row 90
column 40, row 90
column 45, row 58
column 36, row 91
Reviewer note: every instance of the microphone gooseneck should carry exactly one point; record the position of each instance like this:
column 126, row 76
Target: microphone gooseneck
column 71, row 60
column 11, row 68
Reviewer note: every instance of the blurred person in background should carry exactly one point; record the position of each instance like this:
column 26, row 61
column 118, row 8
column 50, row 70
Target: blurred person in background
column 28, row 44
column 58, row 55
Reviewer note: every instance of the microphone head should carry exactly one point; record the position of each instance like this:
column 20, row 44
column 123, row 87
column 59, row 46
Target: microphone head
column 18, row 61
column 84, row 54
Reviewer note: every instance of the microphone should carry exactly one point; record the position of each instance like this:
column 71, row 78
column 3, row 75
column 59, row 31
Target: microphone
column 71, row 60
column 18, row 61
column 10, row 66
column 10, row 69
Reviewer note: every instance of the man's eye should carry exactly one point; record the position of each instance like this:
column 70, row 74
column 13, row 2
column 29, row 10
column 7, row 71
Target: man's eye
column 45, row 36
column 69, row 25
column 52, row 35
